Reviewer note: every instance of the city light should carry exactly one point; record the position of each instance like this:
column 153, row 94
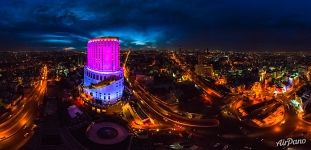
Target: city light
column 131, row 75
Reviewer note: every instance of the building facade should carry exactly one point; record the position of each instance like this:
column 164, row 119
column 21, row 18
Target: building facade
column 103, row 76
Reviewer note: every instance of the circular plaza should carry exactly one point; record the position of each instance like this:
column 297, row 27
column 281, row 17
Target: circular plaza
column 107, row 133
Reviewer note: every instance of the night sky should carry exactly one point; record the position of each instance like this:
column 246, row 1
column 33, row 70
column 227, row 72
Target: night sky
column 214, row 24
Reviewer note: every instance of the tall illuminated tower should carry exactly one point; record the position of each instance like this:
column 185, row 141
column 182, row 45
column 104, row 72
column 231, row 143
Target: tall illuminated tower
column 103, row 76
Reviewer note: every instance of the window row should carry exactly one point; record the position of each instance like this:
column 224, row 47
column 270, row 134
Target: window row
column 98, row 77
column 104, row 96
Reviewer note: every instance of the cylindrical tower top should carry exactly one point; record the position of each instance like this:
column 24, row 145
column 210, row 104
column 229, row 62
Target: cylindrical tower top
column 103, row 54
column 105, row 38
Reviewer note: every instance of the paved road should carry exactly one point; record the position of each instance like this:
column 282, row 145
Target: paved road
column 149, row 103
column 14, row 130
column 193, row 77
column 158, row 109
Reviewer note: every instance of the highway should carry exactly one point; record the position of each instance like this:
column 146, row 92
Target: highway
column 287, row 126
column 163, row 112
column 17, row 128
column 284, row 127
column 165, row 115
column 158, row 109
column 193, row 77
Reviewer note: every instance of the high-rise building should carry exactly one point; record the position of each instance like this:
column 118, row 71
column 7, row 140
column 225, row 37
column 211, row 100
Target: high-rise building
column 204, row 70
column 201, row 58
column 103, row 76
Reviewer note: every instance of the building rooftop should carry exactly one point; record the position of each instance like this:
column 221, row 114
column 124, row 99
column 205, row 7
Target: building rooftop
column 105, row 38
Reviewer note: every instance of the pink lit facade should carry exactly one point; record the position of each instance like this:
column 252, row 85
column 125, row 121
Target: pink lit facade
column 103, row 76
column 103, row 54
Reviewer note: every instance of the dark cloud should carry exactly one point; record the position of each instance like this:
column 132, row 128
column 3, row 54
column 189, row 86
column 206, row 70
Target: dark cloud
column 223, row 24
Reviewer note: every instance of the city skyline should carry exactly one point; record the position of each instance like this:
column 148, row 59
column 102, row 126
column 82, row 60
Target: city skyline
column 151, row 99
column 155, row 75
column 226, row 25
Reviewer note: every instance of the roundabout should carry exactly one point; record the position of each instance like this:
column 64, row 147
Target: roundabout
column 262, row 115
column 106, row 133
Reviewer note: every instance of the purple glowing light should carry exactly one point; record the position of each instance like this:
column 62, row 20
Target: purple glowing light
column 103, row 54
column 104, row 72
column 103, row 62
